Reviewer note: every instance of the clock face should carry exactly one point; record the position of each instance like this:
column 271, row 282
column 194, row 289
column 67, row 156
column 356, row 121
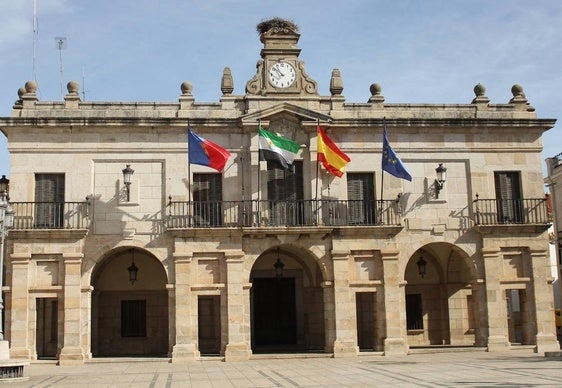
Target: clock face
column 282, row 75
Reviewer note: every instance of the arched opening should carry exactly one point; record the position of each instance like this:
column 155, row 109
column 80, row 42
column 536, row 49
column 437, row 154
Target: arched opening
column 287, row 302
column 439, row 297
column 129, row 308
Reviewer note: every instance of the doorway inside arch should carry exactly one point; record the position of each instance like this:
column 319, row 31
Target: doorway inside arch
column 439, row 299
column 129, row 317
column 287, row 304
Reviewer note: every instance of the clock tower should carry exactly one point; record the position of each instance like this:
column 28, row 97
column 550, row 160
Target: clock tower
column 280, row 72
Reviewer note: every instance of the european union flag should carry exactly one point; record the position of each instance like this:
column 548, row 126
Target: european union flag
column 390, row 162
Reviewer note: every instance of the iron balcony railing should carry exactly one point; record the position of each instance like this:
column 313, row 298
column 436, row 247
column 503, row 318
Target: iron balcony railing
column 511, row 211
column 50, row 215
column 264, row 213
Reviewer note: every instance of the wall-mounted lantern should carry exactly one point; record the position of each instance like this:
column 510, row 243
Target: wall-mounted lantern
column 278, row 266
column 127, row 176
column 133, row 269
column 422, row 266
column 441, row 172
column 5, row 185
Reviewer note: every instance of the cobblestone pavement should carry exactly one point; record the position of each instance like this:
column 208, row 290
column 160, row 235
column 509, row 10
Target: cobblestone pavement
column 462, row 369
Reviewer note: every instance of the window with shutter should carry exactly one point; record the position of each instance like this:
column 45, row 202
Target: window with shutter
column 49, row 200
column 285, row 194
column 361, row 198
column 207, row 199
column 508, row 196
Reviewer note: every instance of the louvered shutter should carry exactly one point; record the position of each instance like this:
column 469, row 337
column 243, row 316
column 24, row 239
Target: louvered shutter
column 285, row 194
column 508, row 196
column 207, row 199
column 361, row 198
column 49, row 200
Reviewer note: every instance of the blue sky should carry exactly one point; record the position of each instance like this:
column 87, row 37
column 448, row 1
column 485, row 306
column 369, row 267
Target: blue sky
column 420, row 51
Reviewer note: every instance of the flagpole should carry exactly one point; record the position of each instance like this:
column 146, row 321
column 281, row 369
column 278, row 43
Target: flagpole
column 382, row 171
column 317, row 170
column 188, row 178
column 259, row 173
column 242, row 159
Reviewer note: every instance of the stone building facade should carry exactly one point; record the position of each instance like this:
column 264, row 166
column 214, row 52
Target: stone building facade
column 554, row 182
column 370, row 261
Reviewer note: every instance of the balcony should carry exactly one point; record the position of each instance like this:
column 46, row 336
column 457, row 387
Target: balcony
column 513, row 215
column 50, row 215
column 276, row 214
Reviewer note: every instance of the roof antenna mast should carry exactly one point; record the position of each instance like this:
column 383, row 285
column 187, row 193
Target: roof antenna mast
column 33, row 74
column 60, row 41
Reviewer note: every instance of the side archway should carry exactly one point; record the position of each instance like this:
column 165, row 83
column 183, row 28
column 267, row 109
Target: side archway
column 129, row 316
column 440, row 308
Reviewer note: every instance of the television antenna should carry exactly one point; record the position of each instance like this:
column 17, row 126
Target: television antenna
column 60, row 42
column 34, row 75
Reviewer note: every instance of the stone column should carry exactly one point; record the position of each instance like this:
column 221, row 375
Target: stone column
column 345, row 344
column 496, row 308
column 238, row 346
column 20, row 346
column 184, row 349
column 395, row 342
column 72, row 353
column 544, row 302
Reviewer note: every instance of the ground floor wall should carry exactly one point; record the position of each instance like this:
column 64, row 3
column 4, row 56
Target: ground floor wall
column 229, row 296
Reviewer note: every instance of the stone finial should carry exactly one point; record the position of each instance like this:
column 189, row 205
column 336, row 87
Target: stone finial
column 518, row 93
column 376, row 93
column 186, row 88
column 29, row 98
column 480, row 93
column 227, row 82
column 73, row 87
column 519, row 99
column 336, row 83
column 479, row 90
column 19, row 102
column 31, row 87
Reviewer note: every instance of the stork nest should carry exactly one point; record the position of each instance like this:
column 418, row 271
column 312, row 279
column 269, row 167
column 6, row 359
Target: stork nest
column 267, row 25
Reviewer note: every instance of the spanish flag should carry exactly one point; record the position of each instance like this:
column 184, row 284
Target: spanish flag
column 332, row 158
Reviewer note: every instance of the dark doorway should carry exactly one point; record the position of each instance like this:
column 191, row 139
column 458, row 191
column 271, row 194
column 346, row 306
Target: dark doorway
column 274, row 318
column 47, row 327
column 365, row 305
column 209, row 324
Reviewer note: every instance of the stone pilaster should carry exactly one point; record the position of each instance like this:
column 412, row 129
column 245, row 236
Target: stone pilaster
column 480, row 316
column 544, row 302
column 329, row 316
column 184, row 349
column 345, row 344
column 72, row 353
column 238, row 346
column 395, row 306
column 86, row 322
column 19, row 328
column 496, row 308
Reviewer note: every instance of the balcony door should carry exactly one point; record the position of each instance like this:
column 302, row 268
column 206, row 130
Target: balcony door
column 49, row 200
column 508, row 196
column 207, row 199
column 361, row 196
column 285, row 194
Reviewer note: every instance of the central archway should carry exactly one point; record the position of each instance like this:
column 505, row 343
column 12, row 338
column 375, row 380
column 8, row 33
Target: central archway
column 129, row 318
column 287, row 302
